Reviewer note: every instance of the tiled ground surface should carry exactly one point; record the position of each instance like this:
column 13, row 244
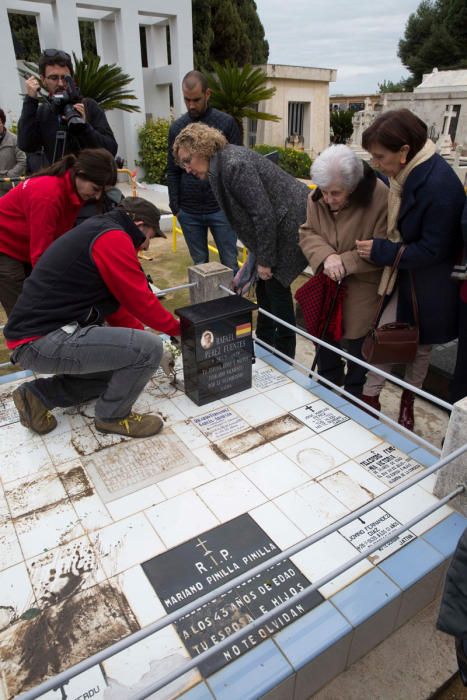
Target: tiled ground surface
column 80, row 512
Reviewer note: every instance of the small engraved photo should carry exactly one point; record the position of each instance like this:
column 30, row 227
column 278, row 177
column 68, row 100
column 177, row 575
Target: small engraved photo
column 207, row 340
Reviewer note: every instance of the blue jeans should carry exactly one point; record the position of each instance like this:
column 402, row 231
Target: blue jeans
column 195, row 230
column 110, row 364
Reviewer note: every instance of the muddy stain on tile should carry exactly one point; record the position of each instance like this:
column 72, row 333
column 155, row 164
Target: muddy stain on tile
column 76, row 482
column 239, row 444
column 278, row 427
column 62, row 635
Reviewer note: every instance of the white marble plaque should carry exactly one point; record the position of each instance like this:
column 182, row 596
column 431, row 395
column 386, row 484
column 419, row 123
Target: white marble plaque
column 8, row 412
column 220, row 423
column 265, row 378
column 388, row 463
column 365, row 532
column 128, row 467
column 319, row 416
column 89, row 684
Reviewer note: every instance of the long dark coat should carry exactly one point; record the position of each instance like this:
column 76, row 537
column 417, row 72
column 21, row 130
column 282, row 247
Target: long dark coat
column 429, row 223
column 265, row 207
column 453, row 611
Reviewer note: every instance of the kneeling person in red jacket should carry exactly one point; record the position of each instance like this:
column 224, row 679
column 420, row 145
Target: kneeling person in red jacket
column 89, row 275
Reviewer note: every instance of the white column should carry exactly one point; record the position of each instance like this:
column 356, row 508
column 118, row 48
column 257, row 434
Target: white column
column 46, row 29
column 10, row 82
column 455, row 472
column 156, row 93
column 181, row 47
column 66, row 27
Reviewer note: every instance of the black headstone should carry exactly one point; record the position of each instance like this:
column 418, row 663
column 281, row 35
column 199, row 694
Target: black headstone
column 217, row 347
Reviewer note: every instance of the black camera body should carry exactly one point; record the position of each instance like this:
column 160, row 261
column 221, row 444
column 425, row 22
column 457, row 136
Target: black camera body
column 63, row 102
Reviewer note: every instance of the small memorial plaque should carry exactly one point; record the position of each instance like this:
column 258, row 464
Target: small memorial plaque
column 220, row 424
column 388, row 463
column 365, row 532
column 204, row 563
column 319, row 416
column 217, row 348
column 265, row 378
column 84, row 686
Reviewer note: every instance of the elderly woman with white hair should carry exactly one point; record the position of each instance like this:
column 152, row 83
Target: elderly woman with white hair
column 349, row 203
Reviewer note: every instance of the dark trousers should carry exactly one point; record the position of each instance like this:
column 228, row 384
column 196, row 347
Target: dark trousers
column 272, row 296
column 12, row 275
column 459, row 381
column 333, row 367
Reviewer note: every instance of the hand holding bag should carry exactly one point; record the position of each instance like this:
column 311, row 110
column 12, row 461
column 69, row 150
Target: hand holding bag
column 397, row 342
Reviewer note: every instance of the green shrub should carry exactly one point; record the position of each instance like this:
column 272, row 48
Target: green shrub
column 295, row 163
column 153, row 142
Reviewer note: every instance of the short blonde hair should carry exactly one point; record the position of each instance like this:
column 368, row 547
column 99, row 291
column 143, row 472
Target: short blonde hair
column 199, row 139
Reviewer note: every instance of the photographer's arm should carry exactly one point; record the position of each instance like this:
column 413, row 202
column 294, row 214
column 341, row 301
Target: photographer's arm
column 97, row 132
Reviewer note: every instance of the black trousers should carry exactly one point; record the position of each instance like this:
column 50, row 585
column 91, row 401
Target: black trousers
column 459, row 381
column 272, row 296
column 333, row 367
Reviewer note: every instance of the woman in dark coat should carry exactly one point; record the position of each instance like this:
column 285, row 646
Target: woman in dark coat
column 424, row 212
column 265, row 206
column 453, row 611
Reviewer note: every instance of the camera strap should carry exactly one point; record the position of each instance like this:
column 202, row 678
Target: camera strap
column 60, row 143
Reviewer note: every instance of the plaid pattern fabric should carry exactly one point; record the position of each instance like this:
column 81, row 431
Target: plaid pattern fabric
column 316, row 299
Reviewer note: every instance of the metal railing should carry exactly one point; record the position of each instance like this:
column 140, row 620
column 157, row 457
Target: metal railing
column 65, row 676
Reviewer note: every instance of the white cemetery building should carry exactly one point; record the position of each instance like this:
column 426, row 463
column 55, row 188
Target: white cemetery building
column 117, row 28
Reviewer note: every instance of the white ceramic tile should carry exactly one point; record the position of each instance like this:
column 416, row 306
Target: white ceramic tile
column 311, row 507
column 189, row 434
column 275, row 475
column 25, row 459
column 181, row 518
column 126, row 543
column 140, row 595
column 429, row 483
column 210, row 459
column 351, row 438
column 16, row 594
column 68, row 420
column 165, row 407
column 190, row 409
column 220, row 423
column 63, row 447
column 91, row 511
column 246, row 394
column 279, row 528
column 48, row 528
column 257, row 410
column 266, row 377
column 63, row 571
column 16, row 435
column 285, row 441
column 135, row 502
column 326, row 555
column 254, row 455
column 231, row 495
column 290, row 396
column 413, row 501
column 315, row 455
column 10, row 551
column 26, row 496
column 350, row 484
column 187, row 480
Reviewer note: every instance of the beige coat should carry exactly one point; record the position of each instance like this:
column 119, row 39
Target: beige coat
column 324, row 233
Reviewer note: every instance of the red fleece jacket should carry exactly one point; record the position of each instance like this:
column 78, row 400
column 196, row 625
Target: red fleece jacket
column 35, row 213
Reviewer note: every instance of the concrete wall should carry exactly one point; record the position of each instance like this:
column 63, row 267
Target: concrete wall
column 117, row 35
column 297, row 84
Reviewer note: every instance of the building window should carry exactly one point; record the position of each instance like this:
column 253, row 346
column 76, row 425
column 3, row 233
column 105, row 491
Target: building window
column 144, row 45
column 252, row 128
column 296, row 118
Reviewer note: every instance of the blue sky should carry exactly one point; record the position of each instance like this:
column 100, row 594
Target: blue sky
column 358, row 37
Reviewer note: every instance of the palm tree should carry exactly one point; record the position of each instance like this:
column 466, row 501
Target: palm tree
column 237, row 90
column 341, row 125
column 107, row 84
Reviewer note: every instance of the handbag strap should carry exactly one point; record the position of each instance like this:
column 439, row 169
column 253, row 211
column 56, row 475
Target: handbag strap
column 379, row 310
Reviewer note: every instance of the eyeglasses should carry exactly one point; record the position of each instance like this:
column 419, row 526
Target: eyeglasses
column 183, row 162
column 55, row 53
column 55, row 78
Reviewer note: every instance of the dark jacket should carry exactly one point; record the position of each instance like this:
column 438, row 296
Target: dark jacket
column 186, row 191
column 453, row 611
column 429, row 223
column 66, row 285
column 39, row 123
column 264, row 205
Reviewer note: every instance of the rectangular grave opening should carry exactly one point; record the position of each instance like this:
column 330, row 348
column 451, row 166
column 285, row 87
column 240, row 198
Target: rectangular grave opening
column 194, row 568
column 217, row 348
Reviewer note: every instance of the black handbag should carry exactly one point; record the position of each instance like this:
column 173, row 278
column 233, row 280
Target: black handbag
column 397, row 342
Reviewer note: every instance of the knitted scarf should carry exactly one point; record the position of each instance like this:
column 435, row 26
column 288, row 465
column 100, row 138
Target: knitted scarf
column 396, row 185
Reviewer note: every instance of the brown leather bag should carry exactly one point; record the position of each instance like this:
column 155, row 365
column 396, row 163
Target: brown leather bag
column 392, row 343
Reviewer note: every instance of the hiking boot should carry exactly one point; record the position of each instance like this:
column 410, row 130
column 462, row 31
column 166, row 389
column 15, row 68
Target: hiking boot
column 33, row 413
column 406, row 414
column 134, row 425
column 372, row 401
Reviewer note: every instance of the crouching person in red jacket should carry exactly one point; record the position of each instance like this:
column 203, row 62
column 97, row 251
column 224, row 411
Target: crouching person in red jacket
column 90, row 275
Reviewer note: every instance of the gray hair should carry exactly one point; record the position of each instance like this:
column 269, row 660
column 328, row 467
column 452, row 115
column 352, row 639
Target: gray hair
column 337, row 165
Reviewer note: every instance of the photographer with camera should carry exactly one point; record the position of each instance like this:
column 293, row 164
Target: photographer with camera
column 65, row 122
